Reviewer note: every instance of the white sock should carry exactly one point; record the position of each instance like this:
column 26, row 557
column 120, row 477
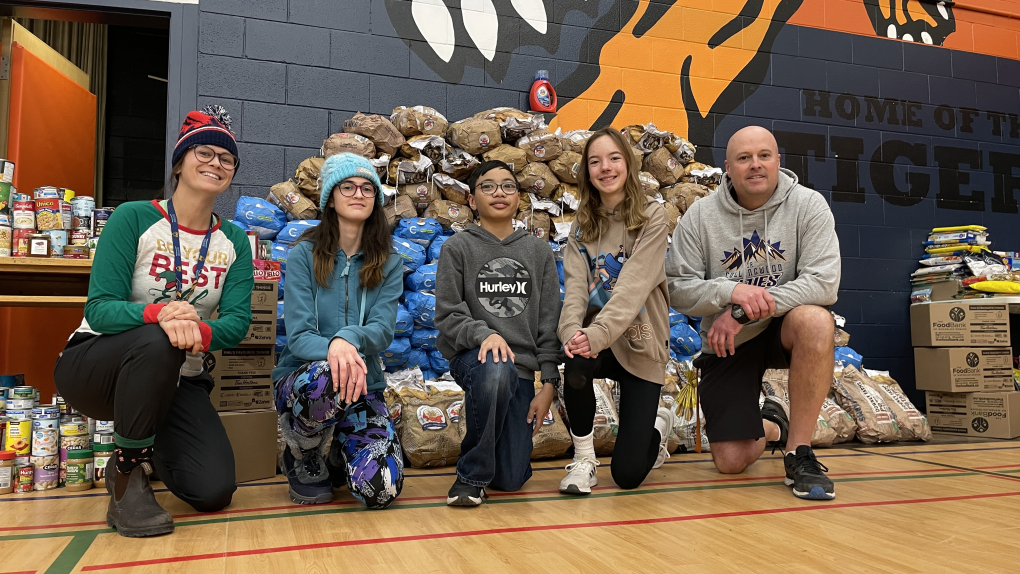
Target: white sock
column 660, row 425
column 584, row 445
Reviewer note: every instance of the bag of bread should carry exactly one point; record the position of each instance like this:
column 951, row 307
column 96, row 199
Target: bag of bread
column 306, row 176
column 383, row 134
column 540, row 145
column 451, row 189
column 537, row 178
column 401, row 208
column 574, row 140
column 607, row 419
column 649, row 184
column 421, row 194
column 706, row 175
column 663, row 167
column 458, row 164
column 348, row 143
column 875, row 421
column 913, row 425
column 419, row 120
column 289, row 198
column 404, row 171
column 474, row 136
column 433, row 147
column 450, row 215
column 681, row 149
column 566, row 166
column 538, row 223
column 514, row 157
column 553, row 439
column 429, row 421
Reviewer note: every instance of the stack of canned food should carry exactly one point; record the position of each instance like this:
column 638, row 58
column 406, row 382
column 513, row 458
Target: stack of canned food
column 49, row 446
column 52, row 222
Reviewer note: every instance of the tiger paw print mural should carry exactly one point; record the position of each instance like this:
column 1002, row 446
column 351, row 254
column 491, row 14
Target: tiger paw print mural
column 927, row 22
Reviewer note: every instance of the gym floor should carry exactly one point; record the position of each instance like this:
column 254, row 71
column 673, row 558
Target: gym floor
column 943, row 507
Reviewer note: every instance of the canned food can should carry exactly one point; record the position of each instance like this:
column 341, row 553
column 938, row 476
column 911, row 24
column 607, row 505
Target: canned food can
column 67, row 194
column 48, row 413
column 6, row 171
column 18, row 437
column 76, row 252
column 24, row 214
column 26, row 478
column 102, row 438
column 47, row 214
column 22, row 392
column 6, row 240
column 39, row 245
column 19, row 414
column 3, row 406
column 20, row 242
column 81, row 207
column 21, row 404
column 5, row 194
column 47, row 472
column 58, row 240
column 104, row 426
column 5, row 217
column 99, row 217
column 65, row 214
column 44, row 441
column 93, row 245
column 74, row 427
column 78, row 237
column 46, row 192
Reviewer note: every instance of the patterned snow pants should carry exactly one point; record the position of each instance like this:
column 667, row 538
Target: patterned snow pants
column 365, row 441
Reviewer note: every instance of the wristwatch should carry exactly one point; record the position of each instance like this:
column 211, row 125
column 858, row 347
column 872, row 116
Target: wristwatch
column 738, row 313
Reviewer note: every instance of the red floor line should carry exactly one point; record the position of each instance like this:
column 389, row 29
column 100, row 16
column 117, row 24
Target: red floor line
column 538, row 528
column 509, row 494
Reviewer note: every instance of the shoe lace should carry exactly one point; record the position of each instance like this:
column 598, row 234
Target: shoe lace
column 311, row 462
column 664, row 450
column 585, row 464
column 808, row 464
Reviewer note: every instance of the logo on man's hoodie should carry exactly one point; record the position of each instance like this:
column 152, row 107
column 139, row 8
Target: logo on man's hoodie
column 758, row 263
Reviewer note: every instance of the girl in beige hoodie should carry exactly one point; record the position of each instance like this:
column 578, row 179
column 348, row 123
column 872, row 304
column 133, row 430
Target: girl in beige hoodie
column 615, row 317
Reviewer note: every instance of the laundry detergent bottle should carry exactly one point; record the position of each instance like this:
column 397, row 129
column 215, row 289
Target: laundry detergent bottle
column 543, row 96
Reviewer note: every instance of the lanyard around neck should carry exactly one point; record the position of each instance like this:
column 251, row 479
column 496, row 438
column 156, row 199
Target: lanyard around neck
column 175, row 234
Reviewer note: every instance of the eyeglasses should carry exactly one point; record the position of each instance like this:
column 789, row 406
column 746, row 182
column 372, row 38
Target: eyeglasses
column 205, row 154
column 348, row 189
column 489, row 188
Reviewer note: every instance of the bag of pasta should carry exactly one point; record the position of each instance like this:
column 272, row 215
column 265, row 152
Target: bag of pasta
column 913, row 425
column 875, row 421
column 429, row 420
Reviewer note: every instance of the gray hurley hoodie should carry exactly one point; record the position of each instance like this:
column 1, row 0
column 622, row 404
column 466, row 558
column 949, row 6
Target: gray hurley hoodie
column 510, row 288
column 787, row 246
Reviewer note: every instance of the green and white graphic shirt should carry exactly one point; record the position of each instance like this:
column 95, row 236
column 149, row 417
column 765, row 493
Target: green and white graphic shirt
column 133, row 278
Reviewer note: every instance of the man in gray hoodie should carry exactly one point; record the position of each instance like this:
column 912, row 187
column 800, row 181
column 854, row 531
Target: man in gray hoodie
column 759, row 260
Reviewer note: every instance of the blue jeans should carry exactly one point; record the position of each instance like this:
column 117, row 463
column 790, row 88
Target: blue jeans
column 496, row 450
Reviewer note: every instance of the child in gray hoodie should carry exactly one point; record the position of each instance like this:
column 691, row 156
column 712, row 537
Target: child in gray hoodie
column 497, row 306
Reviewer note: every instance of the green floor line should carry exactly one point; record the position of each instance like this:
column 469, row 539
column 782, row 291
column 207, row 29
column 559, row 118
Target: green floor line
column 72, row 553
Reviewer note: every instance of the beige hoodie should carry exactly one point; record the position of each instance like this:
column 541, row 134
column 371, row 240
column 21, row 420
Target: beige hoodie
column 623, row 307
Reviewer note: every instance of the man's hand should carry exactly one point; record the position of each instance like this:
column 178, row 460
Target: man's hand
column 349, row 371
column 540, row 406
column 178, row 310
column 183, row 334
column 720, row 336
column 579, row 345
column 756, row 301
column 497, row 345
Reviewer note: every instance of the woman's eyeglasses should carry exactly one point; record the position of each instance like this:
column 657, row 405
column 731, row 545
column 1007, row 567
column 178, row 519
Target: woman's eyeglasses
column 348, row 189
column 205, row 154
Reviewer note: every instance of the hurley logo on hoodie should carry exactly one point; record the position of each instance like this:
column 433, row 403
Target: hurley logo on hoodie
column 503, row 286
column 758, row 263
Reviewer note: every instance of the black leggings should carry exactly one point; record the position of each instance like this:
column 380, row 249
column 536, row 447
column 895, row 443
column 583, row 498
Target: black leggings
column 132, row 379
column 637, row 442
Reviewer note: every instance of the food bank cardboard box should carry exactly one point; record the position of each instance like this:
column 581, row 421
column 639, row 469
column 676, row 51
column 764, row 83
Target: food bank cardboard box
column 242, row 376
column 262, row 330
column 252, row 435
column 991, row 415
column 963, row 369
column 959, row 324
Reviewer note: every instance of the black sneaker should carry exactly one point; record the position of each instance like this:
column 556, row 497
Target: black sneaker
column 773, row 411
column 463, row 494
column 807, row 476
column 309, row 483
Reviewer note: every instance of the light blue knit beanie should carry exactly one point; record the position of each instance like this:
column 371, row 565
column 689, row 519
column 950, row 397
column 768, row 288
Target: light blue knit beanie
column 341, row 166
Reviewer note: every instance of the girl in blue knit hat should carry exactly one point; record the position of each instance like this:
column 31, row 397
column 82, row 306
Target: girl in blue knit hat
column 343, row 286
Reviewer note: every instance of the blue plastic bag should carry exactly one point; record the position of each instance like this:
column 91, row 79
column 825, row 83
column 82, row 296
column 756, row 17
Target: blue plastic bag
column 418, row 358
column 421, row 230
column 429, row 375
column 439, row 364
column 279, row 253
column 676, row 317
column 424, row 338
column 281, row 342
column 422, row 307
column 293, row 230
column 240, row 224
column 260, row 215
column 281, row 327
column 404, row 323
column 435, row 247
column 395, row 356
column 847, row 356
column 280, row 294
column 684, row 340
column 423, row 278
column 412, row 254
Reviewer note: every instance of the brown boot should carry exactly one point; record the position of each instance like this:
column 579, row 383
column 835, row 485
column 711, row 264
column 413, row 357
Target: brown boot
column 133, row 509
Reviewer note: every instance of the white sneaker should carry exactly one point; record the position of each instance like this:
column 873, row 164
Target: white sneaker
column 670, row 420
column 580, row 476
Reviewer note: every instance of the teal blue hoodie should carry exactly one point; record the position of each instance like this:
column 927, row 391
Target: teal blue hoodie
column 339, row 313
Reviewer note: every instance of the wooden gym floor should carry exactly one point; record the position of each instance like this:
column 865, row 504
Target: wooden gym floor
column 906, row 508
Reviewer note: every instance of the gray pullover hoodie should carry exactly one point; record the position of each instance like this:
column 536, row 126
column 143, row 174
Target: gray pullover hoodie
column 510, row 288
column 787, row 246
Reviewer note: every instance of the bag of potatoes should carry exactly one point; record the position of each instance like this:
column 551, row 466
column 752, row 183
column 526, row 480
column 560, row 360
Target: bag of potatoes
column 306, row 176
column 649, row 184
column 474, row 136
column 663, row 167
column 681, row 149
column 683, row 195
column 433, row 147
column 540, row 145
column 429, row 423
column 402, row 207
column 403, row 170
column 567, row 166
column 706, row 175
column 422, row 194
column 378, row 129
column 289, row 198
column 553, row 438
column 538, row 223
column 513, row 123
column 537, row 178
column 348, row 143
column 419, row 120
column 458, row 164
column 514, row 157
column 575, row 140
column 450, row 215
column 569, row 196
column 451, row 189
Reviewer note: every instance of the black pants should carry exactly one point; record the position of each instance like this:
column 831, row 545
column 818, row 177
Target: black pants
column 132, row 379
column 637, row 442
